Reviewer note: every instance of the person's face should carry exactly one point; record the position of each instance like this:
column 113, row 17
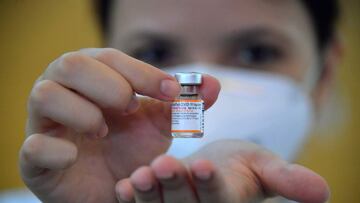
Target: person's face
column 274, row 36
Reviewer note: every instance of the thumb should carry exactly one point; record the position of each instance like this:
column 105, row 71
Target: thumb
column 292, row 181
column 209, row 90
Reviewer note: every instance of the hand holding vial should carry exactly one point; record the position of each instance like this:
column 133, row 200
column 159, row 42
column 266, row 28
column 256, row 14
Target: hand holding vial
column 90, row 139
column 86, row 128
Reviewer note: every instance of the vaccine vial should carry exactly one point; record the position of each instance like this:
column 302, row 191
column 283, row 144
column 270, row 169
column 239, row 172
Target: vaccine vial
column 187, row 111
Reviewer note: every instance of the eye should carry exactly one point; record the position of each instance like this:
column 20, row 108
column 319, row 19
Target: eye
column 256, row 55
column 157, row 54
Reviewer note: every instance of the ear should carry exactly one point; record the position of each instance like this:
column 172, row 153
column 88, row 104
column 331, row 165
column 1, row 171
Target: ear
column 331, row 59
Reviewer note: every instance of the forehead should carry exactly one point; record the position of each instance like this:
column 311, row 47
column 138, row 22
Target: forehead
column 209, row 16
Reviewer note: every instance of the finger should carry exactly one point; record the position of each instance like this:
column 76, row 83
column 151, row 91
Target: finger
column 124, row 191
column 41, row 152
column 209, row 185
column 50, row 102
column 92, row 79
column 146, row 187
column 209, row 90
column 144, row 78
column 174, row 180
column 289, row 180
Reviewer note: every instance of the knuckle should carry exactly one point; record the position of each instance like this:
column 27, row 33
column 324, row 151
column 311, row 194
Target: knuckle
column 72, row 58
column 32, row 147
column 70, row 64
column 41, row 94
column 107, row 54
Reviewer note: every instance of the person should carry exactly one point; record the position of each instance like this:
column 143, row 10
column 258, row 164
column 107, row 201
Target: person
column 99, row 118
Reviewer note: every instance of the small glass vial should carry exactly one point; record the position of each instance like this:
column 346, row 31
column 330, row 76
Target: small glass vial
column 187, row 110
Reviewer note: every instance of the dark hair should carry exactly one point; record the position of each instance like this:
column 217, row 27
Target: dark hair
column 323, row 13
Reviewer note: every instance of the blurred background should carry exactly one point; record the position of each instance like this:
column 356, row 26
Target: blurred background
column 33, row 33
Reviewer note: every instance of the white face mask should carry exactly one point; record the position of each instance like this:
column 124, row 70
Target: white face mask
column 267, row 109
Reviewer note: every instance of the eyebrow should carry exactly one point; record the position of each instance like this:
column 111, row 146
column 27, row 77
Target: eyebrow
column 253, row 34
column 155, row 38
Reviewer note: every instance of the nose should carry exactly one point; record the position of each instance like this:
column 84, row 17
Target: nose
column 204, row 55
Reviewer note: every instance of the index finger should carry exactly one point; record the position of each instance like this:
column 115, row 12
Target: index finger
column 144, row 78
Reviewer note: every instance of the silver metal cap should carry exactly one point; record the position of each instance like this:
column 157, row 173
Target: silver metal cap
column 189, row 78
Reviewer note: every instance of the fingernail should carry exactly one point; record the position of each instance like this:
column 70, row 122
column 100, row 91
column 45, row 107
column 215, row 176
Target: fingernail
column 203, row 175
column 167, row 175
column 144, row 187
column 124, row 198
column 103, row 131
column 132, row 106
column 170, row 88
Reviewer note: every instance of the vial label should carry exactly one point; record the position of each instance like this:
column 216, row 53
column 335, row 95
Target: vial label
column 187, row 116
